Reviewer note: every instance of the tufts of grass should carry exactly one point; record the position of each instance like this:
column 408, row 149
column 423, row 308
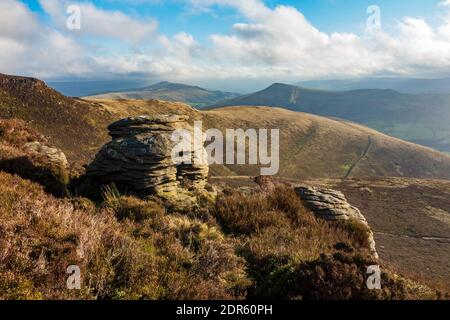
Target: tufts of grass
column 128, row 207
column 240, row 214
column 242, row 246
column 291, row 255
column 358, row 231
column 128, row 249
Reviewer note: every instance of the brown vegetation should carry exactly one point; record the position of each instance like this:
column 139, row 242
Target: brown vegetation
column 291, row 255
column 14, row 135
column 263, row 246
column 159, row 257
column 410, row 219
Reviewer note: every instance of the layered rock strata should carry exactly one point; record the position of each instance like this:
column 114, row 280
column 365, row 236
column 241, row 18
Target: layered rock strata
column 139, row 157
column 331, row 205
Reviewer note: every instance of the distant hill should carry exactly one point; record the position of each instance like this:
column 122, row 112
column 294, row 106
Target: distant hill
column 192, row 95
column 422, row 119
column 318, row 147
column 83, row 88
column 413, row 86
column 311, row 146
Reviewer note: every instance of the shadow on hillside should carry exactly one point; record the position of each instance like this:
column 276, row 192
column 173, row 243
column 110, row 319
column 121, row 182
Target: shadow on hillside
column 54, row 180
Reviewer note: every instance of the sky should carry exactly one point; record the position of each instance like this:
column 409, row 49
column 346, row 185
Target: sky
column 224, row 43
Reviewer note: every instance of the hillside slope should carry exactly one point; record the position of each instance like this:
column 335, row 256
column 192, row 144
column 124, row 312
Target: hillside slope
column 72, row 125
column 258, row 245
column 175, row 92
column 311, row 146
column 76, row 126
column 422, row 119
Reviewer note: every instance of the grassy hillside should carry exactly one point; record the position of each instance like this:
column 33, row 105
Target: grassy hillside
column 411, row 222
column 422, row 119
column 311, row 146
column 241, row 244
column 424, row 243
column 192, row 95
column 72, row 125
column 76, row 126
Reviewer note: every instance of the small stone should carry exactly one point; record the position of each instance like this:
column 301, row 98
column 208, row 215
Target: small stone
column 54, row 156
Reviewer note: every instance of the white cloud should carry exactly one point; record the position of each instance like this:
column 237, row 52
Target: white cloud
column 270, row 43
column 102, row 23
column 281, row 42
column 27, row 47
column 254, row 9
column 16, row 20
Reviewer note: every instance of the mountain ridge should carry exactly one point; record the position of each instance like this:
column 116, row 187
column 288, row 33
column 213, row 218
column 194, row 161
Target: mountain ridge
column 422, row 119
column 170, row 91
column 403, row 85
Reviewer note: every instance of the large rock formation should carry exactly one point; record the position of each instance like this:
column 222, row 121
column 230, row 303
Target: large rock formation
column 331, row 205
column 139, row 157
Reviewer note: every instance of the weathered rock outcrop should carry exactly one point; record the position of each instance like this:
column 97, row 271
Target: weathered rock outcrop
column 139, row 157
column 331, row 205
column 54, row 156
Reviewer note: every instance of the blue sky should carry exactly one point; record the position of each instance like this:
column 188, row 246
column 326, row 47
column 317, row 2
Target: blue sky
column 328, row 15
column 225, row 41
